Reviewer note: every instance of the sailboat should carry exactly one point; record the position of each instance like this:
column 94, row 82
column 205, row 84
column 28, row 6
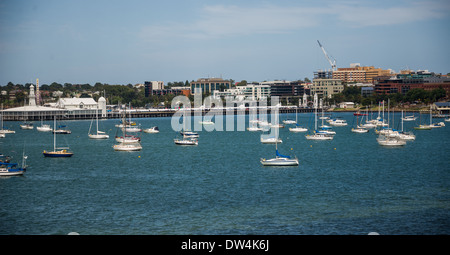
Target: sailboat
column 123, row 127
column 99, row 134
column 359, row 129
column 44, row 127
column 318, row 135
column 189, row 137
column 26, row 124
column 2, row 128
column 297, row 127
column 279, row 160
column 61, row 152
column 124, row 144
column 405, row 135
column 424, row 127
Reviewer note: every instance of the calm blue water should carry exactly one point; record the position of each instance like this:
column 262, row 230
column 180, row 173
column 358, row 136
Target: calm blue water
column 350, row 185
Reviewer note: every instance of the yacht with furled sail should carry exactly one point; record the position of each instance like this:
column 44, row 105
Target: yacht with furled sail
column 57, row 152
column 279, row 160
column 99, row 134
column 126, row 143
column 318, row 135
column 44, row 127
column 297, row 128
column 2, row 127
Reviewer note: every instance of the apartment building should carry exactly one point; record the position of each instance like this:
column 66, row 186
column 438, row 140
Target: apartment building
column 358, row 73
column 326, row 87
column 208, row 85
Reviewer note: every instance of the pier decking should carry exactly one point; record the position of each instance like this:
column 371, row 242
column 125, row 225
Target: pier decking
column 47, row 113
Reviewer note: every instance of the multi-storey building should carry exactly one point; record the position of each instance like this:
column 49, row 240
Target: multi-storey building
column 326, row 87
column 208, row 85
column 357, row 73
column 405, row 81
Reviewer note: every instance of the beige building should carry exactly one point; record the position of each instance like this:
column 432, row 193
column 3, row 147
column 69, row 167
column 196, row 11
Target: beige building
column 357, row 73
column 208, row 85
column 326, row 87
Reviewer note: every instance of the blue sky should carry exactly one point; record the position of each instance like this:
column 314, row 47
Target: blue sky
column 121, row 42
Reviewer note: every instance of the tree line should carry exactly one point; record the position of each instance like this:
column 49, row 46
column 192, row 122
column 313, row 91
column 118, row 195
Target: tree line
column 116, row 94
column 418, row 95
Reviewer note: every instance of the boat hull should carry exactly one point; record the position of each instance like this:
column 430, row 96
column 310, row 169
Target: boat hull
column 57, row 154
column 118, row 147
column 279, row 162
column 99, row 136
column 12, row 172
column 185, row 142
column 298, row 130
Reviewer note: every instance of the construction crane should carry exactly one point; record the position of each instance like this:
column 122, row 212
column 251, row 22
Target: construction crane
column 332, row 62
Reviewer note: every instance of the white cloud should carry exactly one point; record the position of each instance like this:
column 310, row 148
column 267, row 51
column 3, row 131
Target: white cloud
column 362, row 16
column 219, row 21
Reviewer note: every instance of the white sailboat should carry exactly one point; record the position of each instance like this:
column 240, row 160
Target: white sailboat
column 297, row 128
column 390, row 141
column 125, row 144
column 44, row 127
column 99, row 134
column 359, row 129
column 318, row 135
column 409, row 136
column 279, row 160
column 2, row 128
column 57, row 152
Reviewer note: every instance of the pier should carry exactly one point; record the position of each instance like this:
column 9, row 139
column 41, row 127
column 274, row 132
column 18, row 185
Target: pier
column 48, row 113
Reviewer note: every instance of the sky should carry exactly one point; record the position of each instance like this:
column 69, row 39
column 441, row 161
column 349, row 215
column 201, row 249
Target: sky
column 133, row 41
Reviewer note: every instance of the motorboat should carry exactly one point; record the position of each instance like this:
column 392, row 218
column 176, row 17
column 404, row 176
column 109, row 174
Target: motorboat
column 189, row 134
column 338, row 122
column 11, row 169
column 186, row 141
column 44, row 128
column 437, row 125
column 152, row 130
column 27, row 125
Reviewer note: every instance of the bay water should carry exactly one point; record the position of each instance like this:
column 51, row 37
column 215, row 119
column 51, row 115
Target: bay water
column 349, row 185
